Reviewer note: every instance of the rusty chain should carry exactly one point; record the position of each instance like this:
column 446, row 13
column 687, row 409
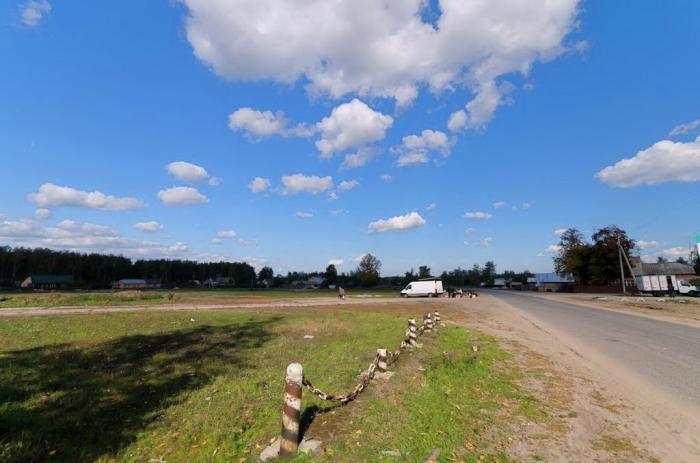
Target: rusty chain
column 367, row 376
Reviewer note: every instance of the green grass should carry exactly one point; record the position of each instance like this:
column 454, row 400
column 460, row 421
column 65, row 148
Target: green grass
column 207, row 386
column 112, row 298
column 462, row 404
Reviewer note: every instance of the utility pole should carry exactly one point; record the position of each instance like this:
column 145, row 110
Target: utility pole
column 622, row 269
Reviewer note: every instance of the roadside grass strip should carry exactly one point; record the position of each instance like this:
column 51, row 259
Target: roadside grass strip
column 207, row 386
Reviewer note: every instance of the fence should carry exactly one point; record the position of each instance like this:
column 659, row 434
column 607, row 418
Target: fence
column 295, row 380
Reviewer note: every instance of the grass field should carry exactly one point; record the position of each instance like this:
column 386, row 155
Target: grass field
column 180, row 296
column 206, row 386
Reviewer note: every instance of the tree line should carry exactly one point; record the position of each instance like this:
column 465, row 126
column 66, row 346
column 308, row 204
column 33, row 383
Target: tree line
column 597, row 262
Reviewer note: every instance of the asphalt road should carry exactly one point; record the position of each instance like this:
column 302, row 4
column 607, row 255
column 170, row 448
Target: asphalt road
column 665, row 354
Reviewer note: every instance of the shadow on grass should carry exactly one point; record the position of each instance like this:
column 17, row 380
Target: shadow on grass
column 67, row 403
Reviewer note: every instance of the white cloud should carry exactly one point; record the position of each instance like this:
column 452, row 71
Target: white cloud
column 414, row 157
column 300, row 183
column 430, row 207
column 550, row 250
column 42, row 214
column 338, row 211
column 259, row 184
column 676, row 252
column 244, row 242
column 226, row 234
column 34, row 11
column 685, row 128
column 486, row 241
column 386, row 177
column 304, row 215
column 151, row 226
column 346, row 185
column 351, row 125
column 216, row 241
column 397, row 223
column 381, row 49
column 560, row 231
column 457, row 121
column 469, row 231
column 262, row 124
column 215, row 181
column 51, row 195
column 359, row 158
column 359, row 258
column 187, row 171
column 181, row 196
column 499, row 204
column 336, row 262
column 478, row 215
column 84, row 237
column 526, row 206
column 665, row 161
column 643, row 244
column 333, row 196
column 416, row 148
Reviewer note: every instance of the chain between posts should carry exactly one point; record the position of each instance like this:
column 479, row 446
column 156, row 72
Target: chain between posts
column 367, row 375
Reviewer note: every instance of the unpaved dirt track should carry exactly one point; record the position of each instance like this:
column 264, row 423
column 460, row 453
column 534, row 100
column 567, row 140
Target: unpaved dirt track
column 665, row 354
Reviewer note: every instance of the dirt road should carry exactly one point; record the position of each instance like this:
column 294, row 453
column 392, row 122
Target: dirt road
column 615, row 386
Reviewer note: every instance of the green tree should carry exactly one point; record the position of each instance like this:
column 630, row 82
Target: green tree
column 331, row 274
column 681, row 260
column 604, row 264
column 266, row 273
column 367, row 272
column 488, row 273
column 424, row 271
column 574, row 256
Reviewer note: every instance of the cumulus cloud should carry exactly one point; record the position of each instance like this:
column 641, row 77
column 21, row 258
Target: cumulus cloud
column 430, row 207
column 499, row 204
column 644, row 244
column 226, row 234
column 411, row 158
column 526, row 206
column 351, row 125
column 382, row 49
column 151, row 226
column 262, row 124
column 550, row 250
column 560, row 231
column 300, row 183
column 42, row 214
column 676, row 252
column 84, row 237
column 259, row 184
column 397, row 223
column 477, row 215
column 486, row 241
column 665, row 161
column 359, row 258
column 34, row 11
column 469, row 231
column 685, row 128
column 335, row 262
column 188, row 172
column 304, row 215
column 359, row 158
column 181, row 196
column 386, row 177
column 346, row 185
column 417, row 148
column 50, row 195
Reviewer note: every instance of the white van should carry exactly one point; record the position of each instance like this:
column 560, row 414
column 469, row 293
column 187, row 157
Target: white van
column 423, row 288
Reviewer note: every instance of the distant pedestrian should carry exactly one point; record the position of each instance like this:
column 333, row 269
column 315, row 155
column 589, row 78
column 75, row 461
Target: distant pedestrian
column 341, row 292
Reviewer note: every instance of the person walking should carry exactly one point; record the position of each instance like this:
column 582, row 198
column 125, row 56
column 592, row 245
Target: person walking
column 341, row 292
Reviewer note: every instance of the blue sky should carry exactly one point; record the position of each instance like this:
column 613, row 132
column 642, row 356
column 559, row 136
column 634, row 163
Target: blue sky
column 103, row 97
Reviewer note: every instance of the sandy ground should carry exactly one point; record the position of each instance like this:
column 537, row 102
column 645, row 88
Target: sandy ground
column 678, row 309
column 599, row 411
column 612, row 416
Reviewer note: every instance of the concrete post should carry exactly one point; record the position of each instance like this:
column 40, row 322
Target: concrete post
column 412, row 333
column 428, row 322
column 437, row 317
column 381, row 364
column 291, row 412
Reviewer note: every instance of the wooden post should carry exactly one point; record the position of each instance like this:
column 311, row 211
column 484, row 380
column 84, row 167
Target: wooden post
column 291, row 412
column 437, row 317
column 428, row 322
